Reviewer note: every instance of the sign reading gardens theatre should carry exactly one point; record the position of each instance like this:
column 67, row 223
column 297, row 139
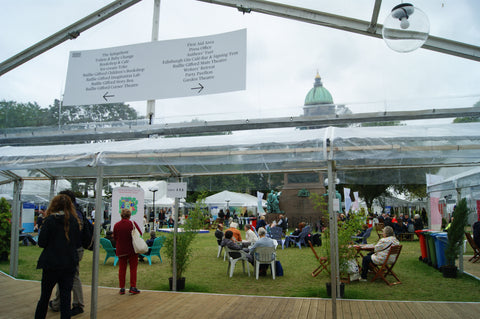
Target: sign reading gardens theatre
column 158, row 70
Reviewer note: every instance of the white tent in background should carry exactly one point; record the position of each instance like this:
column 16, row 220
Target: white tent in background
column 229, row 199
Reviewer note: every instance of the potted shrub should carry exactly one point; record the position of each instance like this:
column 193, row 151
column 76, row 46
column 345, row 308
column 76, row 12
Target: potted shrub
column 5, row 229
column 346, row 252
column 185, row 238
column 455, row 238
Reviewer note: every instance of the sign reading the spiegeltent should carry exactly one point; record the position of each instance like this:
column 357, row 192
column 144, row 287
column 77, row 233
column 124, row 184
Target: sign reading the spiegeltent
column 157, row 70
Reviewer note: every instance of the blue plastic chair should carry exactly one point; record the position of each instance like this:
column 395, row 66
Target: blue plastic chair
column 364, row 237
column 276, row 234
column 300, row 239
column 155, row 251
column 107, row 245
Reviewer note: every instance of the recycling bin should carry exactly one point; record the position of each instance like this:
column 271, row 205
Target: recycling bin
column 432, row 257
column 423, row 243
column 441, row 242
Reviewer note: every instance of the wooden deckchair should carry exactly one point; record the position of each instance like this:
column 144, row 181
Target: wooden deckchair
column 476, row 250
column 382, row 271
column 322, row 260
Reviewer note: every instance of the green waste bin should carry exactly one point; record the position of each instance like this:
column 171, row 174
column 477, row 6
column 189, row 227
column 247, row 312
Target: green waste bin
column 432, row 257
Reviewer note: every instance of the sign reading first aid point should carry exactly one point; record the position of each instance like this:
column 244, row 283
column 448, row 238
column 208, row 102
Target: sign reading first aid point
column 157, row 70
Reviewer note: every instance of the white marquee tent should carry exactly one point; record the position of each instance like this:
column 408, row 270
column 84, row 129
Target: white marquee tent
column 225, row 199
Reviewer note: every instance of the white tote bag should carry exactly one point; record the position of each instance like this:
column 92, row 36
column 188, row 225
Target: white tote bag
column 139, row 245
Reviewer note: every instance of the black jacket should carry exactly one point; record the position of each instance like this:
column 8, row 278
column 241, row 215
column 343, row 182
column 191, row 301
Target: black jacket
column 58, row 252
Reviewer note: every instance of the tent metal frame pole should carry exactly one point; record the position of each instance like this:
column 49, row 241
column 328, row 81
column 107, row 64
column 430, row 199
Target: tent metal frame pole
column 343, row 23
column 69, row 33
column 333, row 237
column 53, row 183
column 175, row 232
column 96, row 244
column 155, row 26
column 15, row 226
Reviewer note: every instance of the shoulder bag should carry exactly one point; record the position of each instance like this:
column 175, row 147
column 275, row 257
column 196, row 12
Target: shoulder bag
column 139, row 245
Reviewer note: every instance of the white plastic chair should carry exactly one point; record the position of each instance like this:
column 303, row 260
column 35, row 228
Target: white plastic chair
column 265, row 255
column 232, row 261
column 220, row 252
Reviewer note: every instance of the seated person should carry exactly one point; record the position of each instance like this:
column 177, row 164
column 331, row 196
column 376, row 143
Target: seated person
column 407, row 224
column 263, row 241
column 261, row 223
column 250, row 236
column 292, row 237
column 476, row 233
column 109, row 236
column 417, row 222
column 228, row 242
column 361, row 233
column 236, row 233
column 282, row 222
column 171, row 222
column 381, row 251
column 25, row 237
column 153, row 236
column 219, row 233
column 299, row 229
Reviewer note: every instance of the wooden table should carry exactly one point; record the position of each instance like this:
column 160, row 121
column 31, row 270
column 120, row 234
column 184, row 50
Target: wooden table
column 360, row 250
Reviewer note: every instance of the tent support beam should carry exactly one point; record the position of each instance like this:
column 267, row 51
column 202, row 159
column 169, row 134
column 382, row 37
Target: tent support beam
column 343, row 23
column 332, row 220
column 32, row 136
column 69, row 33
column 15, row 228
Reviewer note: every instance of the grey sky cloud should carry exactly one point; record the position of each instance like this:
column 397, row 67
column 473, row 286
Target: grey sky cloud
column 282, row 56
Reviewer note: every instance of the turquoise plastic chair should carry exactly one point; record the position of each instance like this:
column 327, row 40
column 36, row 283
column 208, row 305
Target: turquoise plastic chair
column 107, row 245
column 157, row 245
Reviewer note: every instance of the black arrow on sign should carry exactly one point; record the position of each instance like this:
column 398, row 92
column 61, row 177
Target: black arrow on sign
column 199, row 88
column 106, row 95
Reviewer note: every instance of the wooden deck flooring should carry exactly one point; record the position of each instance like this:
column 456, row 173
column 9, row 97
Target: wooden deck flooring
column 18, row 299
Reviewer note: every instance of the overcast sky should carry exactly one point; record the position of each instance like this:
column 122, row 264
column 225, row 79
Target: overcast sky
column 283, row 56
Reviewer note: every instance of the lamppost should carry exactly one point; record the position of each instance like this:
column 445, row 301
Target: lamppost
column 227, row 200
column 153, row 189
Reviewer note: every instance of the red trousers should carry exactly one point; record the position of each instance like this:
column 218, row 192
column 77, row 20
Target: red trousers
column 122, row 269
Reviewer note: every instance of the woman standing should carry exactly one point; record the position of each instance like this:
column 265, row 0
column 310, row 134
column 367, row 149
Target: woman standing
column 122, row 232
column 59, row 259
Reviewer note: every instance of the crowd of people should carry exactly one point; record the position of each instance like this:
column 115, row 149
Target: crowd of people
column 60, row 235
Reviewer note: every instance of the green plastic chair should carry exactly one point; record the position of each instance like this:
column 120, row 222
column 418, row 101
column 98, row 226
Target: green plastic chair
column 107, row 245
column 155, row 251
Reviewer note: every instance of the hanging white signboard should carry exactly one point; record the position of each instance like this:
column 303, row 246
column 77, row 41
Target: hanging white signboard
column 158, row 70
column 177, row 190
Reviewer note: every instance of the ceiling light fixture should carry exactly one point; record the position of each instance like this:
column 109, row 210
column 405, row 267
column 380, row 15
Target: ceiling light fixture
column 406, row 28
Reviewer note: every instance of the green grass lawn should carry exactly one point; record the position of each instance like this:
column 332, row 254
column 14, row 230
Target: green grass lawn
column 207, row 273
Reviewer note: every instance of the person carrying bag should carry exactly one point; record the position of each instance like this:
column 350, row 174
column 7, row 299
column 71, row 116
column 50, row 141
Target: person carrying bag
column 126, row 233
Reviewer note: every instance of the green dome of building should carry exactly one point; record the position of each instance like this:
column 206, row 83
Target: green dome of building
column 318, row 94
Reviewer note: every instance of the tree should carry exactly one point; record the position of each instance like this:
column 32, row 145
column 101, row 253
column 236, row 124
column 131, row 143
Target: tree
column 13, row 114
column 411, row 191
column 92, row 113
column 370, row 192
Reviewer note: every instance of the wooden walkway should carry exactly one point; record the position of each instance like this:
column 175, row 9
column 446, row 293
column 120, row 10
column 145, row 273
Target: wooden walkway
column 18, row 299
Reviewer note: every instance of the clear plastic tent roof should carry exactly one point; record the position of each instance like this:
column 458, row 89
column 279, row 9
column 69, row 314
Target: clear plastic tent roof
column 360, row 154
column 468, row 179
